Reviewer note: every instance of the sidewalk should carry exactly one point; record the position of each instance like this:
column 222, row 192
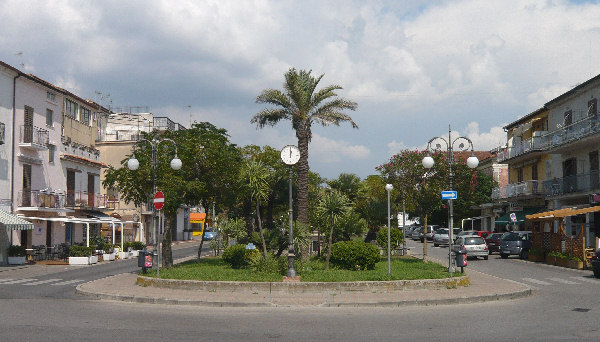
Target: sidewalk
column 482, row 288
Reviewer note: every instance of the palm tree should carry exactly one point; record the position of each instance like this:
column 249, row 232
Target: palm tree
column 301, row 105
column 332, row 206
column 257, row 176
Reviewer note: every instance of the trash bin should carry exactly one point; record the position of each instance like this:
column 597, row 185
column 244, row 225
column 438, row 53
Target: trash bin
column 461, row 259
column 145, row 260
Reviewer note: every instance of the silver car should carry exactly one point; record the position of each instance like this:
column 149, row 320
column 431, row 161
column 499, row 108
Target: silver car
column 473, row 244
column 415, row 233
column 441, row 236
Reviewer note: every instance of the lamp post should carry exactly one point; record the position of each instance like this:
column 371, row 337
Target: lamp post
column 388, row 188
column 472, row 163
column 133, row 164
column 290, row 155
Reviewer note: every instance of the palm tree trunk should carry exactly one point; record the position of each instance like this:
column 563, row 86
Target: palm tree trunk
column 303, row 136
column 260, row 229
column 329, row 245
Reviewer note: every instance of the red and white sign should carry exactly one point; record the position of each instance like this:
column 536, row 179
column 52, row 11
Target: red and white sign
column 159, row 200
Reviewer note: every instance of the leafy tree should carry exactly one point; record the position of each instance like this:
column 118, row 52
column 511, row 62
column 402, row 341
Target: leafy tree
column 301, row 105
column 348, row 184
column 371, row 202
column 257, row 178
column 332, row 206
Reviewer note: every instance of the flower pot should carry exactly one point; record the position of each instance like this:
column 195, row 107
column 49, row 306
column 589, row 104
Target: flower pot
column 123, row 255
column 134, row 254
column 16, row 260
column 562, row 262
column 94, row 259
column 550, row 260
column 79, row 260
column 535, row 257
column 109, row 256
column 576, row 264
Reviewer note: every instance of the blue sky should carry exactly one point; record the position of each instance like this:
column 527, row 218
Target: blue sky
column 413, row 67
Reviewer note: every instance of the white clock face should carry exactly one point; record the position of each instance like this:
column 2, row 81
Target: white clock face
column 290, row 154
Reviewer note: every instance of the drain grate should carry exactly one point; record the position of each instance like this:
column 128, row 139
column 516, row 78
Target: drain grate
column 581, row 310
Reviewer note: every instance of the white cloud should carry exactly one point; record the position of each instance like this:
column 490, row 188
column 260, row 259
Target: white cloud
column 326, row 150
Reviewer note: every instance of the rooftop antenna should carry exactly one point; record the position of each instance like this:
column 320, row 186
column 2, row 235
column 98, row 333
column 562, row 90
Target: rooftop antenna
column 20, row 54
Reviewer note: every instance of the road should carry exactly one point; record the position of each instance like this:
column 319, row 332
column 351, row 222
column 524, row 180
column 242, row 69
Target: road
column 564, row 307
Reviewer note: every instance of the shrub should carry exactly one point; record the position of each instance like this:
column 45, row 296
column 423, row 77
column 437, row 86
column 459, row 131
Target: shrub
column 239, row 257
column 137, row 245
column 108, row 248
column 354, row 255
column 16, row 251
column 80, row 251
column 396, row 238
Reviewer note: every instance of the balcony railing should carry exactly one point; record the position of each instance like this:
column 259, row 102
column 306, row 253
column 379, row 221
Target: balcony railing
column 536, row 143
column 526, row 188
column 580, row 129
column 41, row 199
column 572, row 184
column 33, row 136
column 83, row 199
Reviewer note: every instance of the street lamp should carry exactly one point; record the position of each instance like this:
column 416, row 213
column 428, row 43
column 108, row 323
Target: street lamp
column 388, row 188
column 472, row 163
column 290, row 155
column 133, row 164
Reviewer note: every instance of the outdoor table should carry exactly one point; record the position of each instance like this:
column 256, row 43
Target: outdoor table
column 49, row 251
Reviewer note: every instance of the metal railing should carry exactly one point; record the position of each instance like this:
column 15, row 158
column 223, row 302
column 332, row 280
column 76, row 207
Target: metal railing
column 580, row 129
column 526, row 188
column 84, row 199
column 572, row 184
column 41, row 199
column 537, row 143
column 33, row 135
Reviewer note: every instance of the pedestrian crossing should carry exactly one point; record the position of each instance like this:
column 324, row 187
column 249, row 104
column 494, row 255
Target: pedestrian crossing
column 577, row 280
column 35, row 282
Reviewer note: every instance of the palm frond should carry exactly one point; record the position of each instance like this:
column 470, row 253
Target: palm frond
column 269, row 117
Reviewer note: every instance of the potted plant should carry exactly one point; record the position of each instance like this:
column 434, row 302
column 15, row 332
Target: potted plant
column 575, row 262
column 109, row 252
column 80, row 255
column 551, row 257
column 535, row 254
column 16, row 255
column 562, row 260
column 124, row 254
column 136, row 247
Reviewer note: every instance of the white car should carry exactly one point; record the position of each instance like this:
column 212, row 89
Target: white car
column 441, row 236
column 474, row 245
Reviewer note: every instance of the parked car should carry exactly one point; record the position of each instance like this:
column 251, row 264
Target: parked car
column 441, row 236
column 596, row 264
column 493, row 242
column 481, row 233
column 473, row 244
column 430, row 232
column 415, row 233
column 210, row 233
column 515, row 243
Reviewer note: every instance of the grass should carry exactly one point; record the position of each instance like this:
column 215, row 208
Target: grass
column 215, row 269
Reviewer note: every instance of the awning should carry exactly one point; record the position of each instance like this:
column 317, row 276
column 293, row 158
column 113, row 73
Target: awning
column 197, row 217
column 505, row 219
column 562, row 213
column 14, row 222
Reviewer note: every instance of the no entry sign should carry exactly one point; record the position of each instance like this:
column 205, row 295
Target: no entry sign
column 159, row 200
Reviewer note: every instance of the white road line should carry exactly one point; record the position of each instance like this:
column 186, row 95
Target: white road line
column 535, row 281
column 5, row 280
column 42, row 282
column 588, row 280
column 68, row 282
column 18, row 281
column 563, row 281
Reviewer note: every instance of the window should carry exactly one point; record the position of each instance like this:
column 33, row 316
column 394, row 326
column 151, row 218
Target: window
column 568, row 118
column 50, row 96
column 49, row 114
column 71, row 109
column 534, row 172
column 85, row 116
column 519, row 175
column 51, row 152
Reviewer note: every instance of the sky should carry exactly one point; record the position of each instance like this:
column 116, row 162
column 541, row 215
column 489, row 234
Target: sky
column 414, row 67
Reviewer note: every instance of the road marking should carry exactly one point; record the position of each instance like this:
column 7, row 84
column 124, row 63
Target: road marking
column 563, row 281
column 68, row 282
column 42, row 282
column 18, row 281
column 535, row 281
column 589, row 280
column 4, row 280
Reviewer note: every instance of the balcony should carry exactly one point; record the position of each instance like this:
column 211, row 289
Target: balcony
column 33, row 137
column 41, row 199
column 83, row 199
column 530, row 188
column 580, row 133
column 576, row 184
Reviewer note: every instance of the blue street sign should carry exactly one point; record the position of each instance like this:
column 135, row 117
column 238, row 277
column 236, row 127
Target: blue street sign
column 449, row 195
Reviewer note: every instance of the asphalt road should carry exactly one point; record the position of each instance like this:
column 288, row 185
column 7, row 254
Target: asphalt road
column 564, row 307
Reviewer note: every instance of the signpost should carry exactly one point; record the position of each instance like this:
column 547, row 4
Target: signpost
column 513, row 217
column 159, row 200
column 449, row 195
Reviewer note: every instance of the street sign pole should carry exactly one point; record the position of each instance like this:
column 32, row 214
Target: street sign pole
column 159, row 202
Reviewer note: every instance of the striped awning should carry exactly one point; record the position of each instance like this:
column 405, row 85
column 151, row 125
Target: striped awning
column 10, row 221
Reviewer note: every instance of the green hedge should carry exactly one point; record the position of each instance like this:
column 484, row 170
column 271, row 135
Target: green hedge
column 354, row 255
column 80, row 251
column 17, row 251
column 396, row 238
column 135, row 245
column 239, row 257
